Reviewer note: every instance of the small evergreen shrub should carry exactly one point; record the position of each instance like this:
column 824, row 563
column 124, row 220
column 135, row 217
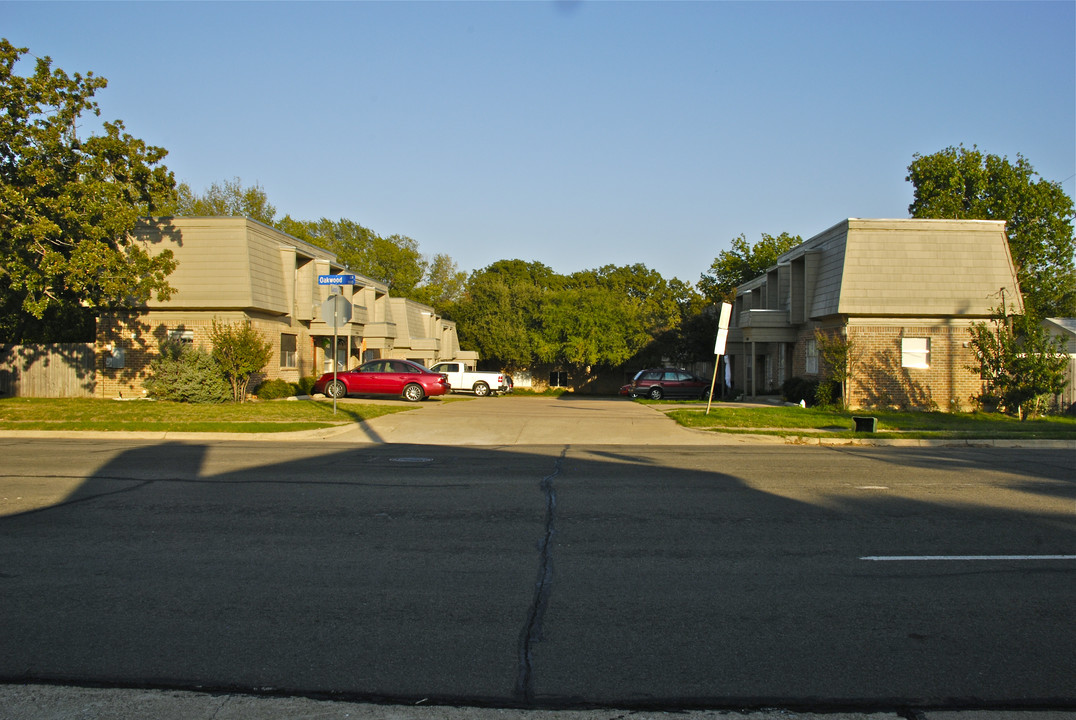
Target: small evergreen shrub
column 797, row 389
column 187, row 374
column 275, row 389
column 306, row 385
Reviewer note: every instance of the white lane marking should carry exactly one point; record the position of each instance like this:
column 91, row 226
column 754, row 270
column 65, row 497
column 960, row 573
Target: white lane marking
column 911, row 558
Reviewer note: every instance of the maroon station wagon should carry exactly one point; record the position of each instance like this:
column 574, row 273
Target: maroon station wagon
column 409, row 380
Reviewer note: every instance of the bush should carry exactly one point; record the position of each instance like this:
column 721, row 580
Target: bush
column 797, row 389
column 241, row 351
column 276, row 389
column 306, row 385
column 827, row 393
column 187, row 374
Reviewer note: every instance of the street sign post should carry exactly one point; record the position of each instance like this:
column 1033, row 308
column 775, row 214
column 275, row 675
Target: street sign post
column 338, row 308
column 719, row 347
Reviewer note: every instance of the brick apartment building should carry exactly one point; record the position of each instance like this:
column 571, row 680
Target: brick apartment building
column 904, row 292
column 238, row 270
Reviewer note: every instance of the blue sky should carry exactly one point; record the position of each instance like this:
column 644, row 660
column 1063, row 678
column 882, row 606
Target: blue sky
column 577, row 134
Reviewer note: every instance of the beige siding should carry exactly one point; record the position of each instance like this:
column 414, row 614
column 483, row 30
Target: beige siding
column 828, row 259
column 915, row 267
column 240, row 270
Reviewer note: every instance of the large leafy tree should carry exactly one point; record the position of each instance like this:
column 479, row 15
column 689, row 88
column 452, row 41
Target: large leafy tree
column 520, row 313
column 743, row 262
column 693, row 338
column 68, row 205
column 500, row 314
column 443, row 285
column 227, row 198
column 962, row 183
column 610, row 315
column 395, row 260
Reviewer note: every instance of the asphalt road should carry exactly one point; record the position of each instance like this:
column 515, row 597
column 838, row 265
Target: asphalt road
column 544, row 576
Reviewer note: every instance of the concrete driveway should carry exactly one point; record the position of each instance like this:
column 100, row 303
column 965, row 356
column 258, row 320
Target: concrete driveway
column 529, row 420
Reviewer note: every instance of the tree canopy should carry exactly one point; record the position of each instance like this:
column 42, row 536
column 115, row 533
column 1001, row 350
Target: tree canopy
column 68, row 205
column 961, row 183
column 743, row 262
column 221, row 200
column 395, row 260
column 521, row 313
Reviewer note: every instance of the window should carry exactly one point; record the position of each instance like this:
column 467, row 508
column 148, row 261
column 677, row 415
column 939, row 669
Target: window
column 915, row 352
column 341, row 355
column 185, row 337
column 288, row 346
column 558, row 379
column 812, row 357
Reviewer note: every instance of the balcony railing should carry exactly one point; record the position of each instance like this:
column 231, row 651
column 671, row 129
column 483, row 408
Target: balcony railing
column 765, row 319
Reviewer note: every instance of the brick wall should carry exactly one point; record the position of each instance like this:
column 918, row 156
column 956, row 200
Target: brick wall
column 881, row 380
column 140, row 336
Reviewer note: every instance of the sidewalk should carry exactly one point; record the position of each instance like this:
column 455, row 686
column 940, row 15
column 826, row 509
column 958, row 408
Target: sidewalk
column 563, row 420
column 50, row 702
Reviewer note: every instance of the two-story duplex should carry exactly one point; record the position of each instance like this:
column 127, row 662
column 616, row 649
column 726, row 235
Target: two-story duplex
column 903, row 292
column 234, row 269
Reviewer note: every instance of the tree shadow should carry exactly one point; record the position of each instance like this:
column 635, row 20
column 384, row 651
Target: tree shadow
column 106, row 337
column 885, row 383
column 548, row 577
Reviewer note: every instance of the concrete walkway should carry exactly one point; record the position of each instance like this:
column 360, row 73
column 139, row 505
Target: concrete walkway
column 527, row 420
column 530, row 420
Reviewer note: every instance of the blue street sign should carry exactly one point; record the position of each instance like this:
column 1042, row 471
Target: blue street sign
column 336, row 279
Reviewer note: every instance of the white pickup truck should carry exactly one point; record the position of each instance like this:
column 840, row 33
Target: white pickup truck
column 463, row 380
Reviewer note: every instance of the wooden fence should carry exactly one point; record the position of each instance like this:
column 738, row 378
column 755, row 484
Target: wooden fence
column 54, row 371
column 1067, row 399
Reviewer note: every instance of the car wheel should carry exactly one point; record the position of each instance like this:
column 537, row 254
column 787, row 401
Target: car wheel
column 413, row 392
column 481, row 389
column 336, row 389
column 655, row 393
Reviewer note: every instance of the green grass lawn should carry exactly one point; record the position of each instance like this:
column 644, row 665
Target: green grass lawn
column 891, row 424
column 161, row 416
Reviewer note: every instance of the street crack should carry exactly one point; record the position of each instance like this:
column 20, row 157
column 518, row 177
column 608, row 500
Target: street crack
column 532, row 631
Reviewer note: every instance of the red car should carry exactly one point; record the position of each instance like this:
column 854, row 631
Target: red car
column 657, row 383
column 407, row 379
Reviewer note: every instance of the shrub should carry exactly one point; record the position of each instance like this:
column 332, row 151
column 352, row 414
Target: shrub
column 241, row 351
column 275, row 389
column 827, row 393
column 797, row 389
column 187, row 374
column 306, row 385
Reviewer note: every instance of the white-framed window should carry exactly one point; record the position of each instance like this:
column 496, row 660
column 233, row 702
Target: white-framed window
column 812, row 357
column 289, row 345
column 915, row 352
column 186, row 337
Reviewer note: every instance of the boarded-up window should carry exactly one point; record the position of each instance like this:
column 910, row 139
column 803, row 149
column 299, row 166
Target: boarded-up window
column 915, row 352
